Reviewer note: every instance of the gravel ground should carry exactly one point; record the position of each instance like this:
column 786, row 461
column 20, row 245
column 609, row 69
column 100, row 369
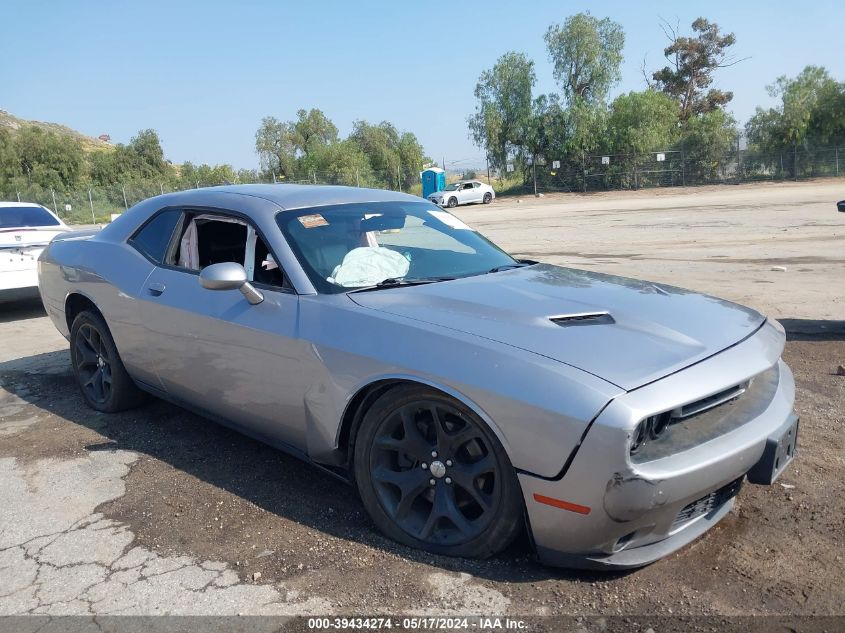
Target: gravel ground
column 158, row 511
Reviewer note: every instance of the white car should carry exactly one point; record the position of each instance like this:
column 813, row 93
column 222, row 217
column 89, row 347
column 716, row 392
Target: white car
column 463, row 192
column 25, row 229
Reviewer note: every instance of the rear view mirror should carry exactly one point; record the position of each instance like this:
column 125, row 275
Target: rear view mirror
column 382, row 223
column 229, row 276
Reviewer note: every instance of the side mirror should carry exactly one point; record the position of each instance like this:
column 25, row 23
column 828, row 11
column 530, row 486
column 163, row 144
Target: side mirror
column 841, row 206
column 229, row 276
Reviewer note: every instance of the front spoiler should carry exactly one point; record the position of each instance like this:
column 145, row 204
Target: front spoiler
column 637, row 556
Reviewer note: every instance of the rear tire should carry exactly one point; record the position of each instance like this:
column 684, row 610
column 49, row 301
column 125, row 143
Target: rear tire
column 453, row 202
column 413, row 436
column 99, row 371
column 488, row 198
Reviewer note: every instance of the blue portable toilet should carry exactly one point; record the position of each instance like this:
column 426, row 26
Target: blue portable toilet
column 433, row 179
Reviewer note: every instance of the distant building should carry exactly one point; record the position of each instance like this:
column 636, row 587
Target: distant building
column 104, row 137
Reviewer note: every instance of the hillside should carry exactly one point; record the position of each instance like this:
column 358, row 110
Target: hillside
column 89, row 143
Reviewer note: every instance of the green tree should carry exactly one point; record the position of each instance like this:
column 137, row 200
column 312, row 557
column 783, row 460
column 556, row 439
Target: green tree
column 706, row 141
column 146, row 144
column 810, row 113
column 10, row 161
column 412, row 157
column 586, row 54
column 48, row 159
column 275, row 146
column 810, row 105
column 642, row 122
column 693, row 60
column 312, row 129
column 503, row 115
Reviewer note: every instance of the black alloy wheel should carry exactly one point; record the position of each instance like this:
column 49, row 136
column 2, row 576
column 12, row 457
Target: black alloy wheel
column 438, row 478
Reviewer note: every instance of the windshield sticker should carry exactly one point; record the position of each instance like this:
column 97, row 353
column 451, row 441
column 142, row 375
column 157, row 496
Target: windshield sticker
column 311, row 221
column 450, row 220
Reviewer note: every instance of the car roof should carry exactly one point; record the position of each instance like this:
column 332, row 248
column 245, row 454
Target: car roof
column 21, row 204
column 289, row 196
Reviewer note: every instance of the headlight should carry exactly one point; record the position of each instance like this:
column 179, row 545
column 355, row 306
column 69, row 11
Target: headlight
column 649, row 429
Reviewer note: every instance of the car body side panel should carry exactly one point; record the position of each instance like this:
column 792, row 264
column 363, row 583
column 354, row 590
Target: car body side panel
column 536, row 406
column 216, row 351
column 74, row 266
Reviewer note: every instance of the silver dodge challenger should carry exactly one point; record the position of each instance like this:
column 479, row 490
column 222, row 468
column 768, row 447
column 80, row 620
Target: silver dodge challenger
column 466, row 395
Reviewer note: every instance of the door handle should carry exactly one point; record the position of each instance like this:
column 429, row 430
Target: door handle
column 155, row 289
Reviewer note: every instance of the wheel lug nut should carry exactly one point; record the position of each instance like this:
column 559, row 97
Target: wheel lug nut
column 432, row 481
column 434, row 453
column 448, row 462
column 424, row 466
column 448, row 480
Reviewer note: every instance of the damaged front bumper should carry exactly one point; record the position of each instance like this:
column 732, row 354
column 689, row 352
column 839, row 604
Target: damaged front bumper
column 607, row 511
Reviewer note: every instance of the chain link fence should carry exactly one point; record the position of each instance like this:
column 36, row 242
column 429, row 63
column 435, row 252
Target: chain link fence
column 97, row 204
column 668, row 168
column 675, row 168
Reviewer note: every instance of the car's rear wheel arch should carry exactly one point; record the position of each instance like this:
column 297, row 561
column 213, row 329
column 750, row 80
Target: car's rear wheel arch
column 75, row 303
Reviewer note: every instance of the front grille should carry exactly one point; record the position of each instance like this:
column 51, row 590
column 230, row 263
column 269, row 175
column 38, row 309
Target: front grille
column 707, row 503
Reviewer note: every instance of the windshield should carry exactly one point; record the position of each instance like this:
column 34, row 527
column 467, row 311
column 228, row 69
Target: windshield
column 357, row 245
column 21, row 217
column 453, row 187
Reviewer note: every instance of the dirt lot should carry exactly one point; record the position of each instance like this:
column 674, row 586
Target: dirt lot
column 158, row 511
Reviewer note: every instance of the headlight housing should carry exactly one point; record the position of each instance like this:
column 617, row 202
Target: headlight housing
column 649, row 429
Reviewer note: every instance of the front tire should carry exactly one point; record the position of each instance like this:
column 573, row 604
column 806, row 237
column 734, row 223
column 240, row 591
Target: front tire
column 453, row 202
column 99, row 371
column 433, row 476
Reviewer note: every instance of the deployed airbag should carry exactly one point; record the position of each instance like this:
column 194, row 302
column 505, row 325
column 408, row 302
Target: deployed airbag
column 368, row 265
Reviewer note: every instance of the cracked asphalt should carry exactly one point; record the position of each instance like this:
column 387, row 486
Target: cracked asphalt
column 158, row 511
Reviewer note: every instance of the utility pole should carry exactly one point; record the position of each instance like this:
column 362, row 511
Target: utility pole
column 534, row 166
column 52, row 193
column 487, row 158
column 91, row 202
column 125, row 204
column 399, row 175
column 160, row 186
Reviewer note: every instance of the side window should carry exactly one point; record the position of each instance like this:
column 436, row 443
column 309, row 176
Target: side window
column 468, row 185
column 208, row 239
column 153, row 238
column 476, row 185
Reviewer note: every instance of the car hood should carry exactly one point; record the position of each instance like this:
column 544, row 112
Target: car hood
column 626, row 331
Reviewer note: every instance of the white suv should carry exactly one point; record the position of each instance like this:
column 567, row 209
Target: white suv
column 463, row 192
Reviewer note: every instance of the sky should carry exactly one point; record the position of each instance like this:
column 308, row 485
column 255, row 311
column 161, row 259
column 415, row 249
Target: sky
column 203, row 74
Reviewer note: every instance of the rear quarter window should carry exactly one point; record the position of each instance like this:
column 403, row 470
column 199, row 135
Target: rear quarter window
column 153, row 238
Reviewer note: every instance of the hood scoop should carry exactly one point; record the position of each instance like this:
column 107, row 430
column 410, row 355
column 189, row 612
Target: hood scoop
column 582, row 318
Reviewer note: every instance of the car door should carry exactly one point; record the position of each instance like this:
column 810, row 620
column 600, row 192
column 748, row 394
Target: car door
column 215, row 351
column 466, row 193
